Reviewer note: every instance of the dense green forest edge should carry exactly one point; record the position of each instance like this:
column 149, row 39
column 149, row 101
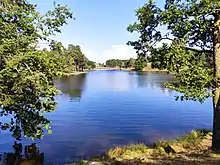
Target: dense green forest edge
column 71, row 60
column 139, row 64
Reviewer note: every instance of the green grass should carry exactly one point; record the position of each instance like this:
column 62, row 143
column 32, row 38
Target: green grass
column 181, row 144
column 128, row 151
column 72, row 73
column 193, row 148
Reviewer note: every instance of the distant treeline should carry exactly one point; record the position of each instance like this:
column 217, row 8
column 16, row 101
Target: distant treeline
column 71, row 59
column 138, row 64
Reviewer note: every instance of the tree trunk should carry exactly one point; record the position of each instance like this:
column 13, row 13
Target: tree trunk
column 216, row 97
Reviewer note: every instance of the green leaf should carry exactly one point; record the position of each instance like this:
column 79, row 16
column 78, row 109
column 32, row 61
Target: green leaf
column 49, row 132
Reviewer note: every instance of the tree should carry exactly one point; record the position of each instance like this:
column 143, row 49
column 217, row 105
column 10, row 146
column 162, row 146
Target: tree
column 116, row 63
column 111, row 63
column 139, row 64
column 80, row 59
column 91, row 65
column 130, row 63
column 26, row 74
column 73, row 59
column 192, row 53
column 68, row 59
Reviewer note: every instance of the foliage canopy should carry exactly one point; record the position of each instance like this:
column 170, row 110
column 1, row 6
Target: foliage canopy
column 184, row 48
column 26, row 74
column 120, row 63
column 184, row 38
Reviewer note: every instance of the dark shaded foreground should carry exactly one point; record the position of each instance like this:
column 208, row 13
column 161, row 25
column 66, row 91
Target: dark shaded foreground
column 193, row 160
column 191, row 149
column 30, row 156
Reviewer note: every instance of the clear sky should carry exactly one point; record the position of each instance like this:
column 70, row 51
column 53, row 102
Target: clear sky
column 99, row 26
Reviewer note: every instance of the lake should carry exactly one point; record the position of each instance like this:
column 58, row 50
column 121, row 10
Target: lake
column 102, row 109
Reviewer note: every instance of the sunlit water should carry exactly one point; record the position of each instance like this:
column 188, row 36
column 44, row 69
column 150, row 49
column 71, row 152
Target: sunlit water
column 103, row 109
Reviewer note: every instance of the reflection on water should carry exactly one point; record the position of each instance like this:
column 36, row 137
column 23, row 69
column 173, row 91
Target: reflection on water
column 72, row 86
column 153, row 80
column 30, row 156
column 115, row 108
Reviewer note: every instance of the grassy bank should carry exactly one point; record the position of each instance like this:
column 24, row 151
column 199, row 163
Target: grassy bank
column 124, row 69
column 106, row 68
column 148, row 68
column 192, row 149
column 73, row 73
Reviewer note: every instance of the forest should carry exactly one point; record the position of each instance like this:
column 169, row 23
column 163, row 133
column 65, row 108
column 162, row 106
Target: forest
column 71, row 59
column 138, row 64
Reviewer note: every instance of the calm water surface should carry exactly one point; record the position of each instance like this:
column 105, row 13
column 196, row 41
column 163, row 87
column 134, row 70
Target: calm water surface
column 103, row 109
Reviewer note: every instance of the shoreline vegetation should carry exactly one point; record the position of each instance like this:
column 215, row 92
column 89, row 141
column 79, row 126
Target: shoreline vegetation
column 73, row 73
column 146, row 69
column 194, row 149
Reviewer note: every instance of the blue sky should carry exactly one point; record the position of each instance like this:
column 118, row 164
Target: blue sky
column 99, row 26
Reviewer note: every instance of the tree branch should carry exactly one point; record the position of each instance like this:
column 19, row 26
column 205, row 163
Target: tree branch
column 199, row 51
column 167, row 38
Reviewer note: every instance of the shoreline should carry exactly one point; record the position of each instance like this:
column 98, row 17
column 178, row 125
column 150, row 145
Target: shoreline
column 106, row 69
column 157, row 71
column 132, row 69
column 79, row 73
column 73, row 73
column 193, row 149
